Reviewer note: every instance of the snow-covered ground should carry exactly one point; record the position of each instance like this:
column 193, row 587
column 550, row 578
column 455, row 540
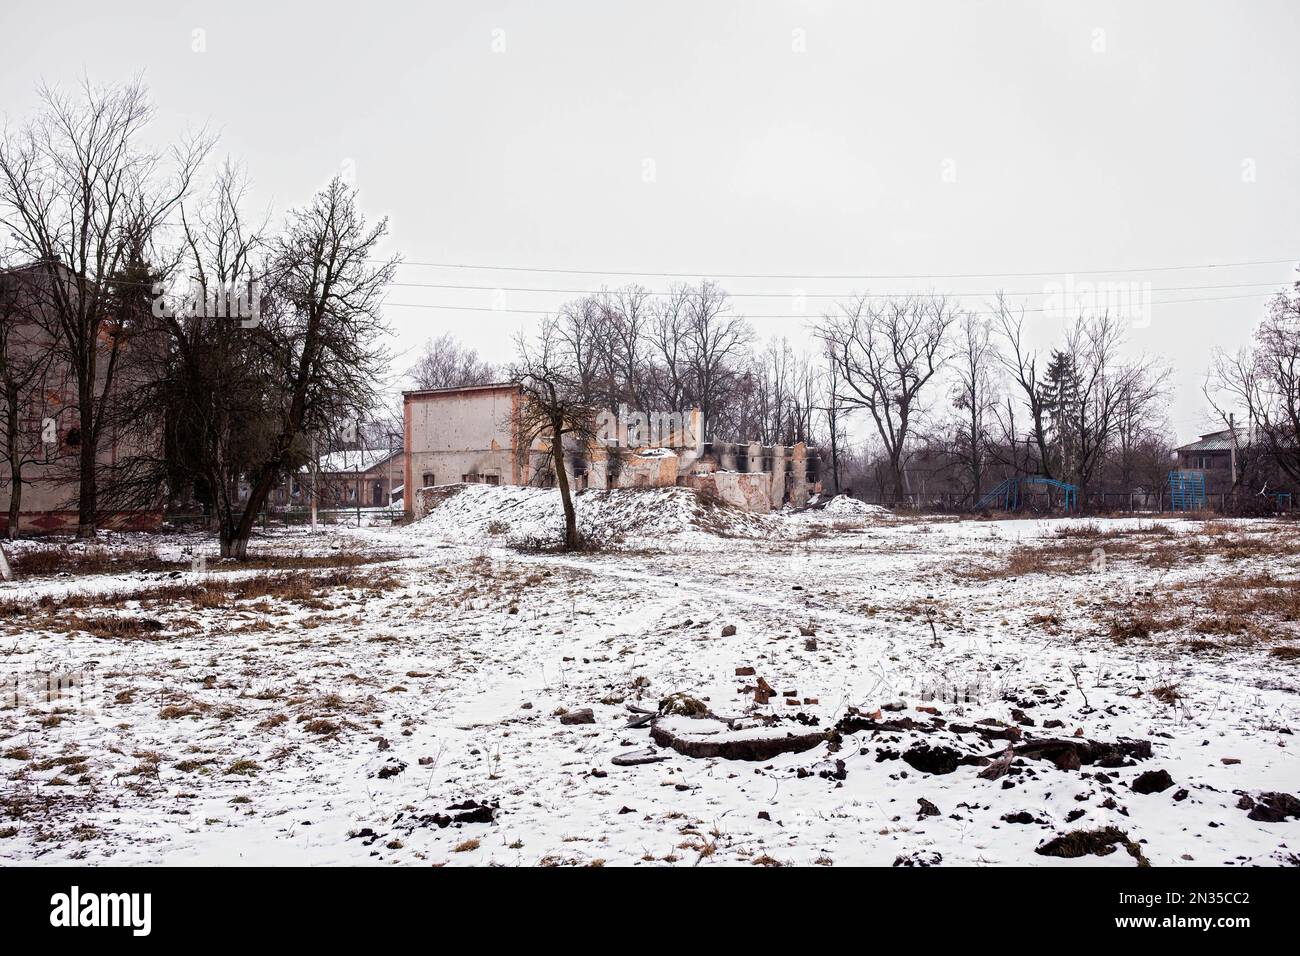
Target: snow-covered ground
column 349, row 695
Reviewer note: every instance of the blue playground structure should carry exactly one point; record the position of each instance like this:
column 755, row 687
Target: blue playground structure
column 1009, row 495
column 1187, row 491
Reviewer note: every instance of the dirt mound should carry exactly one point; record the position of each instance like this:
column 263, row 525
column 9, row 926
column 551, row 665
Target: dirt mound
column 1101, row 842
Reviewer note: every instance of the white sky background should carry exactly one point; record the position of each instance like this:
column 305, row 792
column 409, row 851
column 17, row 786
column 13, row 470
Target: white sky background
column 1066, row 149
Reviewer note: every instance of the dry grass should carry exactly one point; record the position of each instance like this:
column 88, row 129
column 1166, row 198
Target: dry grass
column 191, row 766
column 1133, row 627
column 97, row 559
column 1232, row 585
column 305, row 589
column 1253, row 609
column 1079, row 549
column 1069, row 558
column 115, row 627
column 42, row 562
column 1091, row 531
column 1048, row 621
column 1168, row 694
column 299, row 587
column 176, row 711
column 321, row 726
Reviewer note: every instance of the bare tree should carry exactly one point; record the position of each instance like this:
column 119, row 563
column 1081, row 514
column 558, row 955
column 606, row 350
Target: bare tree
column 1233, row 386
column 83, row 199
column 1140, row 422
column 318, row 333
column 622, row 345
column 716, row 347
column 1021, row 364
column 669, row 360
column 201, row 371
column 1010, row 448
column 974, row 397
column 1092, row 412
column 1263, row 381
column 446, row 363
column 579, row 330
column 782, row 396
column 887, row 353
column 834, row 414
column 555, row 406
column 764, row 416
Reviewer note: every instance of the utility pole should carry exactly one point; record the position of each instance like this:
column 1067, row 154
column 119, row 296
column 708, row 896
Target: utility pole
column 1232, row 445
column 361, row 461
column 392, row 447
column 314, row 464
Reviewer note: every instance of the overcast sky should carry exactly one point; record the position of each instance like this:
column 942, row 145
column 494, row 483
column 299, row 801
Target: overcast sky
column 1041, row 142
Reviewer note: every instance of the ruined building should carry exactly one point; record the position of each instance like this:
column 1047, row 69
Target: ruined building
column 469, row 435
column 40, row 423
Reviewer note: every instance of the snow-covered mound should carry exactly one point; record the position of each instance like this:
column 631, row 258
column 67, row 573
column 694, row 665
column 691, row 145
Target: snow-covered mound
column 840, row 509
column 626, row 516
column 842, row 506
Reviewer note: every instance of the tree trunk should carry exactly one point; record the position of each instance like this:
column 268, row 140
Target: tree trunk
column 900, row 489
column 15, row 497
column 562, row 481
column 835, row 462
column 234, row 547
column 1040, row 439
column 87, row 494
column 257, row 495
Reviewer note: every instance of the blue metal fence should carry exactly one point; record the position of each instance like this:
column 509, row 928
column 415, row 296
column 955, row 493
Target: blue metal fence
column 1009, row 495
column 1187, row 491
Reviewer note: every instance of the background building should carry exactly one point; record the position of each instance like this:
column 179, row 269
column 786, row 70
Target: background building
column 469, row 434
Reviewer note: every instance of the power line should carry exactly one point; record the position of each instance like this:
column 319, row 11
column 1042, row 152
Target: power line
column 809, row 295
column 788, row 293
column 903, row 275
column 473, row 308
